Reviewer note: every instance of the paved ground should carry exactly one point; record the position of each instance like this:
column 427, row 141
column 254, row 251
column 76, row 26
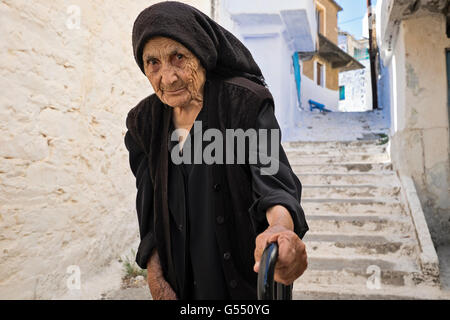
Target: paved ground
column 141, row 293
column 341, row 126
column 135, row 288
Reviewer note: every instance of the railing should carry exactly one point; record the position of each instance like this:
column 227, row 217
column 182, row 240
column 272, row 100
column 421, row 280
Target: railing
column 315, row 105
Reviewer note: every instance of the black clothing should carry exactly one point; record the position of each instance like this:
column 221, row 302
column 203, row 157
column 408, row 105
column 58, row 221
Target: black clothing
column 230, row 189
column 218, row 50
column 199, row 267
column 188, row 204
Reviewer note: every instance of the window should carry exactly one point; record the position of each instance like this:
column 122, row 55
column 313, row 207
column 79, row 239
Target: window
column 320, row 21
column 320, row 74
column 361, row 54
column 342, row 93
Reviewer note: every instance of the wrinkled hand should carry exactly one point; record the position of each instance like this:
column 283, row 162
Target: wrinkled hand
column 292, row 258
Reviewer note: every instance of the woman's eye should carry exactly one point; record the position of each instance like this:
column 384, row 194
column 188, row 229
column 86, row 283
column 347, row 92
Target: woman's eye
column 179, row 56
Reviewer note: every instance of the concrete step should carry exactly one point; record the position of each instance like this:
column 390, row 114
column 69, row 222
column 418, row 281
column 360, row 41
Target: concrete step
column 354, row 206
column 368, row 224
column 358, row 265
column 295, row 159
column 384, row 179
column 338, row 245
column 349, row 191
column 356, row 213
column 333, row 145
column 337, row 150
column 313, row 291
column 349, row 167
column 357, row 271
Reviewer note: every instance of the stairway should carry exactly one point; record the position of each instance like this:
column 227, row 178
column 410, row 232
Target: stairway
column 360, row 225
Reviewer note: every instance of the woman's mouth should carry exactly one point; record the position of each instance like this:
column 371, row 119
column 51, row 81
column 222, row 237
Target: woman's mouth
column 174, row 91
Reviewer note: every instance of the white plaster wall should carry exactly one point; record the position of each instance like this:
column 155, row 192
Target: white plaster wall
column 382, row 10
column 384, row 83
column 270, row 6
column 279, row 77
column 398, row 84
column 420, row 142
column 358, row 89
column 273, row 72
column 310, row 90
column 67, row 195
column 387, row 31
column 224, row 19
column 264, row 37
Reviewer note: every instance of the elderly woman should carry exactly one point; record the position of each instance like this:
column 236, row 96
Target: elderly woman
column 204, row 225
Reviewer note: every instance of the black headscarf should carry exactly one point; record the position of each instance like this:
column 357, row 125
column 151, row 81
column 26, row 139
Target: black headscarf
column 218, row 50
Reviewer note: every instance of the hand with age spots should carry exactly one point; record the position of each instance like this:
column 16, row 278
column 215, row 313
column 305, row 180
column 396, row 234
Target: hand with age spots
column 292, row 257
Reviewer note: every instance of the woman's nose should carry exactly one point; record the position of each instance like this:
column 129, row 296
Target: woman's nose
column 168, row 76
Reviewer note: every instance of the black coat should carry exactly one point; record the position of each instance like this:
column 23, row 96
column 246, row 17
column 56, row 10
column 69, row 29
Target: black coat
column 232, row 103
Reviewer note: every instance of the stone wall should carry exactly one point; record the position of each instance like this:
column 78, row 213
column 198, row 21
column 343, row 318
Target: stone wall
column 420, row 142
column 67, row 195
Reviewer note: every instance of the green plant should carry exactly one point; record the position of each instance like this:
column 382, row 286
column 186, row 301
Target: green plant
column 382, row 138
column 131, row 269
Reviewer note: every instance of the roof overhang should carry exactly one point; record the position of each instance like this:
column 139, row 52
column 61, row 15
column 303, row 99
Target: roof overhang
column 336, row 5
column 391, row 12
column 338, row 58
column 294, row 23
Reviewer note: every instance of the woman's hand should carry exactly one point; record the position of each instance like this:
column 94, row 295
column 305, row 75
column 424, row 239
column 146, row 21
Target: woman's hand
column 160, row 289
column 292, row 258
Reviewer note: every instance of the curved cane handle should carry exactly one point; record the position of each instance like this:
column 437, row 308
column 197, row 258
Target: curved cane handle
column 268, row 289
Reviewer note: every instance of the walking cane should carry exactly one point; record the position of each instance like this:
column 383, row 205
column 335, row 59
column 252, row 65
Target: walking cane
column 268, row 289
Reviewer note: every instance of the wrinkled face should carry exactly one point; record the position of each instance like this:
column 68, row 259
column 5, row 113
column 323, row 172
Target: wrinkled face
column 174, row 72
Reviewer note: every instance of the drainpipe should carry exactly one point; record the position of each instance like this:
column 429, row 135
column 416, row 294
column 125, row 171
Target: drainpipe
column 372, row 56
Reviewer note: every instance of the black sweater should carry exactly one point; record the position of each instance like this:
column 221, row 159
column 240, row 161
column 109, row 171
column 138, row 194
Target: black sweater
column 227, row 202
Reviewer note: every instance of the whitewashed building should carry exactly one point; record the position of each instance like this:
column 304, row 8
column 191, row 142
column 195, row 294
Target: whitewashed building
column 414, row 45
column 320, row 71
column 355, row 90
column 295, row 44
column 274, row 31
